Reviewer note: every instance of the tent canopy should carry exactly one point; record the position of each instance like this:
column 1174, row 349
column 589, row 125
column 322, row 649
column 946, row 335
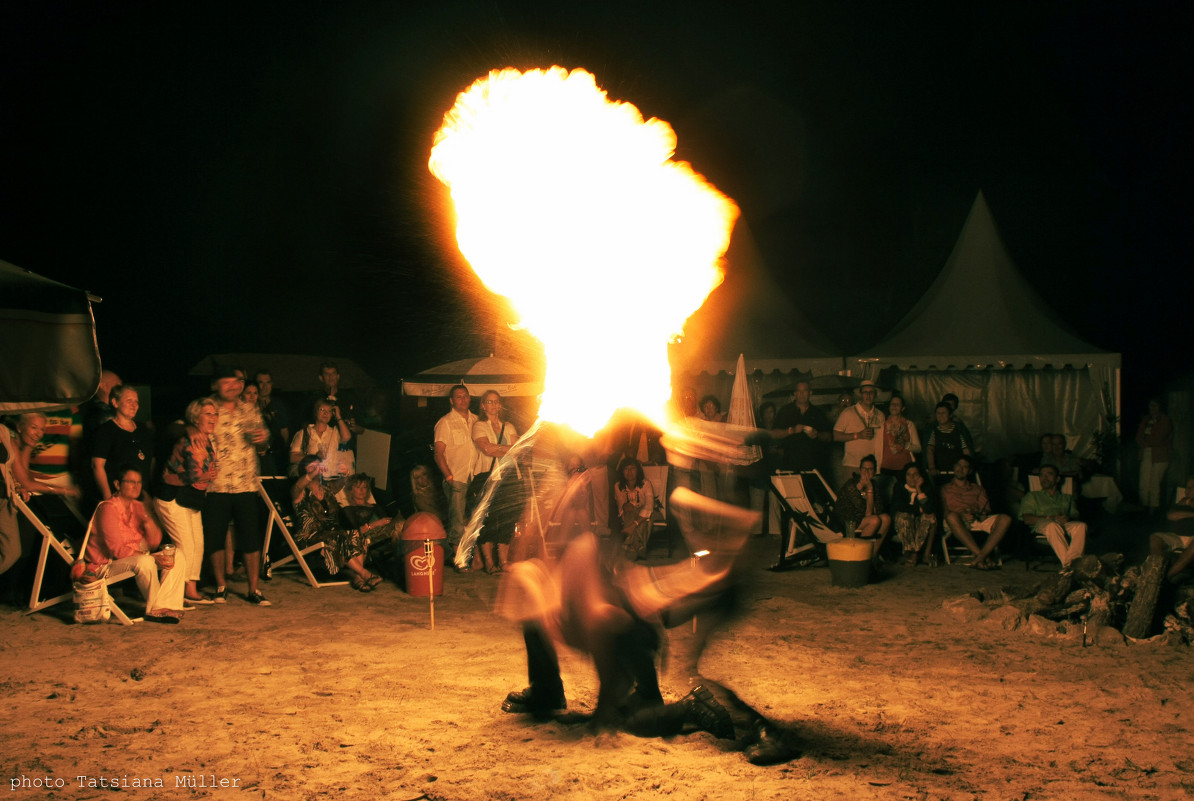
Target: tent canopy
column 974, row 328
column 981, row 312
column 480, row 375
column 750, row 314
column 50, row 356
column 291, row 372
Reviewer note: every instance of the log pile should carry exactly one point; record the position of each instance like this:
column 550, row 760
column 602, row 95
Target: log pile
column 1103, row 599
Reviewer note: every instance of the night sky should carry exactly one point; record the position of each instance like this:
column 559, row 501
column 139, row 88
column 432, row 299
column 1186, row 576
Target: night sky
column 252, row 176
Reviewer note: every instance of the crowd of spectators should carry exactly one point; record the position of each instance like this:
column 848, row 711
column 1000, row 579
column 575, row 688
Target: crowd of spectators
column 199, row 504
column 889, row 475
column 928, row 483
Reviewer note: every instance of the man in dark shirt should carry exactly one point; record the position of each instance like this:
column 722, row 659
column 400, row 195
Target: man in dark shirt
column 805, row 432
column 277, row 419
column 344, row 401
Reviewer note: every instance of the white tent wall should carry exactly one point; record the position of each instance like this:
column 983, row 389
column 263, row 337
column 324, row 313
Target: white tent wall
column 1007, row 411
column 983, row 328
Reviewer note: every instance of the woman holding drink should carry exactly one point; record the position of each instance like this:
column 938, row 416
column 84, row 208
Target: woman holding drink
column 123, row 537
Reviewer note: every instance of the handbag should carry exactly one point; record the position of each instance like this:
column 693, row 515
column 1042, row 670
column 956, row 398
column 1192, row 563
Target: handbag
column 92, row 602
column 477, row 484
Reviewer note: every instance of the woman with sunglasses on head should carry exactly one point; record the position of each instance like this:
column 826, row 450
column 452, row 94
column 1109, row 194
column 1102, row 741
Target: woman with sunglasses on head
column 494, row 437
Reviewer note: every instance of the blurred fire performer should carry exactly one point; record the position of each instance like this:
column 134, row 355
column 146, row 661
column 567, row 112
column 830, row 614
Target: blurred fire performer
column 594, row 600
column 556, row 186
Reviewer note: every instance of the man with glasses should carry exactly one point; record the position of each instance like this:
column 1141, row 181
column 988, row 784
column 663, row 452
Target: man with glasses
column 858, row 426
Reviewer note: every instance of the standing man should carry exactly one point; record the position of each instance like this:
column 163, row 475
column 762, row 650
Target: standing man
column 232, row 495
column 342, row 399
column 805, row 432
column 454, row 455
column 858, row 427
column 1054, row 515
column 276, row 418
column 967, row 510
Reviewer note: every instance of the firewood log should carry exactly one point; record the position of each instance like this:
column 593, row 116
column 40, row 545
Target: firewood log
column 1143, row 607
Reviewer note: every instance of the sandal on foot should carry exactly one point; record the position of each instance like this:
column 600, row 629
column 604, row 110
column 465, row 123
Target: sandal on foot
column 373, row 581
column 359, row 584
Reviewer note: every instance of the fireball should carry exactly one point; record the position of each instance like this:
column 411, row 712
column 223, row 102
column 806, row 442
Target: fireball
column 569, row 204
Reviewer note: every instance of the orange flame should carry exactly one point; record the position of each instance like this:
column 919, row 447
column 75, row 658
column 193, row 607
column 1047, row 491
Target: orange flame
column 570, row 205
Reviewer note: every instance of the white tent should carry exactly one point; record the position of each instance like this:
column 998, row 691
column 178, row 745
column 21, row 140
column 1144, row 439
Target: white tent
column 982, row 332
column 749, row 314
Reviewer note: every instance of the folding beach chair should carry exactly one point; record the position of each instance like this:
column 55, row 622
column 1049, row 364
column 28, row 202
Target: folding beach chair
column 805, row 502
column 66, row 551
column 109, row 580
column 1037, row 543
column 51, row 541
column 658, row 476
column 279, row 516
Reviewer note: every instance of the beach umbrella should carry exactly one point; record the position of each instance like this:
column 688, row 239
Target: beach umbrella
column 742, row 410
column 479, row 375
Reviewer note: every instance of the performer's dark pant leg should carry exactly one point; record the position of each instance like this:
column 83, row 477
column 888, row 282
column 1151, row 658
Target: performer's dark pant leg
column 543, row 666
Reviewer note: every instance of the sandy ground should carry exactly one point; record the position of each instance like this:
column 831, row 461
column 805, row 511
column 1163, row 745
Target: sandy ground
column 891, row 692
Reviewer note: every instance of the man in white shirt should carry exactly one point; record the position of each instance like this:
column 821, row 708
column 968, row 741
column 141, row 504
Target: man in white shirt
column 858, row 426
column 454, row 455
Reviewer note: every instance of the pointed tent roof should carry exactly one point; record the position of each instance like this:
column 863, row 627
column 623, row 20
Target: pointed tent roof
column 982, row 312
column 750, row 314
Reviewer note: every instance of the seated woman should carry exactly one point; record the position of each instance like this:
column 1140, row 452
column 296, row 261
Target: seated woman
column 635, row 498
column 914, row 513
column 860, row 507
column 326, row 438
column 319, row 521
column 31, row 427
column 361, row 512
column 123, row 537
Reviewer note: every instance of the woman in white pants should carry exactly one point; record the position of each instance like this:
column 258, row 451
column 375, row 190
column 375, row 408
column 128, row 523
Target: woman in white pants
column 191, row 467
column 125, row 538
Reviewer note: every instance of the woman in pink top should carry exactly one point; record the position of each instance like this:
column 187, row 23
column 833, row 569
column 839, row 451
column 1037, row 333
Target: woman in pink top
column 123, row 537
column 900, row 442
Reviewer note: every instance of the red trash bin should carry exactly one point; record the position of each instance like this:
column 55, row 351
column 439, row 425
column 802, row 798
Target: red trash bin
column 423, row 554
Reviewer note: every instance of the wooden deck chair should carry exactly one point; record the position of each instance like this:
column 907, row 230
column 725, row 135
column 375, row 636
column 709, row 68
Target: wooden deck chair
column 1037, row 543
column 658, row 476
column 64, row 549
column 278, row 515
column 109, row 580
column 804, row 501
column 951, row 546
column 1176, row 542
column 50, row 542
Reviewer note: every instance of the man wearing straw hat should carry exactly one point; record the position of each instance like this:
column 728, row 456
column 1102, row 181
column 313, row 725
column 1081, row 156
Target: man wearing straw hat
column 857, row 426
